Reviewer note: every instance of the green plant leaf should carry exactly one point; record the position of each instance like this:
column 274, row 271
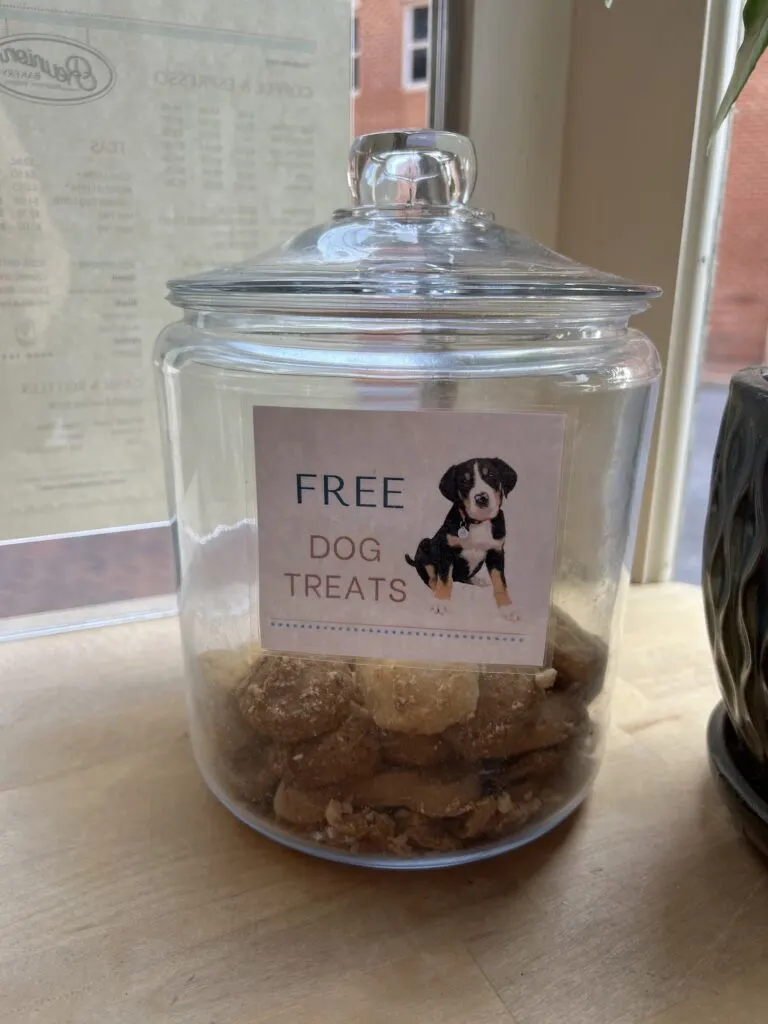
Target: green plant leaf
column 754, row 43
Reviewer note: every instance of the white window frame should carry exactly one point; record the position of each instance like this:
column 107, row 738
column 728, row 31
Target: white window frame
column 579, row 165
column 410, row 45
column 684, row 350
column 357, row 53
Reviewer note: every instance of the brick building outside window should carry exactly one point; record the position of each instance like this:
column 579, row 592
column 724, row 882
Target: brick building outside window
column 390, row 59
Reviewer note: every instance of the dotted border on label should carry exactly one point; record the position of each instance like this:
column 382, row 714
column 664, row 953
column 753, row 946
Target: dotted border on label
column 442, row 634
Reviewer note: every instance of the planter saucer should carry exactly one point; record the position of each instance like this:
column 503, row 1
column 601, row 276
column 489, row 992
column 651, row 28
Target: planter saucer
column 743, row 788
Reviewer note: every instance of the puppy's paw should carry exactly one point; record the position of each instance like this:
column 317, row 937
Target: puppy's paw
column 439, row 607
column 480, row 581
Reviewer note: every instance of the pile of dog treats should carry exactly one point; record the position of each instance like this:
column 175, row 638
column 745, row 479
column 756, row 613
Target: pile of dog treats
column 399, row 759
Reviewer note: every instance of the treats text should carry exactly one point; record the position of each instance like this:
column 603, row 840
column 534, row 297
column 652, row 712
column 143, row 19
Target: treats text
column 334, row 586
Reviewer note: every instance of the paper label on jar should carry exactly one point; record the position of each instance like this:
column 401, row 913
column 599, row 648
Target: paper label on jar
column 415, row 536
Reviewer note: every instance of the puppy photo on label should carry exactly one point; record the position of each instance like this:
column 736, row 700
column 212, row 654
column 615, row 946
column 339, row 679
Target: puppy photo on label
column 469, row 546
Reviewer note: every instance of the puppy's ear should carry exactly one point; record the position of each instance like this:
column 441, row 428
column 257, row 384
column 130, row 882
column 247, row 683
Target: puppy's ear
column 449, row 485
column 507, row 475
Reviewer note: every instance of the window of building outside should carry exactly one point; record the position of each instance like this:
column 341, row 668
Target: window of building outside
column 390, row 48
column 737, row 333
column 416, row 46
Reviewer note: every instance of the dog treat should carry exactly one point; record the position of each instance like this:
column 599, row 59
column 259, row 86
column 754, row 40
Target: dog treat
column 254, row 772
column 222, row 674
column 365, row 831
column 300, row 806
column 437, row 793
column 226, row 669
column 494, row 729
column 548, row 722
column 396, row 759
column 416, row 832
column 414, row 750
column 294, row 699
column 511, row 814
column 545, row 679
column 579, row 657
column 405, row 833
column 535, row 764
column 349, row 752
column 417, row 700
column 479, row 818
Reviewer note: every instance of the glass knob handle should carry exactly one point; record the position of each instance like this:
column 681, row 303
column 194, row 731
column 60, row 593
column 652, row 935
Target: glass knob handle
column 411, row 168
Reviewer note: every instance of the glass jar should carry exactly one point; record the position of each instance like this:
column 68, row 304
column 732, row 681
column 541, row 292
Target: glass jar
column 404, row 450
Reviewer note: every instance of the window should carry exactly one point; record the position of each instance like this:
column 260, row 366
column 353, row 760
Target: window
column 736, row 332
column 385, row 92
column 81, row 543
column 84, row 535
column 416, row 47
column 356, row 54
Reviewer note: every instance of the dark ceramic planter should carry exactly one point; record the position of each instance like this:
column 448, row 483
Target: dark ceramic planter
column 739, row 783
column 735, row 583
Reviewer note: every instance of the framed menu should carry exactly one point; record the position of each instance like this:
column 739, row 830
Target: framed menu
column 136, row 147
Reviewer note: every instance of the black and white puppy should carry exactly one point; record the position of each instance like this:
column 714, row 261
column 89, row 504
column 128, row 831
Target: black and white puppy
column 472, row 535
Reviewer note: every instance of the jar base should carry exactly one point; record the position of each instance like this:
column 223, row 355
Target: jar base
column 389, row 861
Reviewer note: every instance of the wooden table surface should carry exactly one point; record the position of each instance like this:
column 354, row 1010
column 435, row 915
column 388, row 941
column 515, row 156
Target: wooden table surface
column 129, row 895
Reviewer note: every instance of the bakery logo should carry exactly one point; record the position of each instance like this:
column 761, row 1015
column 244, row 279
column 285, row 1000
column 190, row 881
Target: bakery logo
column 52, row 69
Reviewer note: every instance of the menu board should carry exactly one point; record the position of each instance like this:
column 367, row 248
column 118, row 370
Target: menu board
column 136, row 147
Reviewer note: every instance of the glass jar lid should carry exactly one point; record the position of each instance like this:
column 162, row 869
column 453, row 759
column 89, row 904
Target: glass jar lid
column 408, row 244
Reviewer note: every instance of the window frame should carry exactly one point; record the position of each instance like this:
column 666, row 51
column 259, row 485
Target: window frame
column 356, row 53
column 510, row 139
column 82, row 612
column 683, row 350
column 563, row 122
column 410, row 44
